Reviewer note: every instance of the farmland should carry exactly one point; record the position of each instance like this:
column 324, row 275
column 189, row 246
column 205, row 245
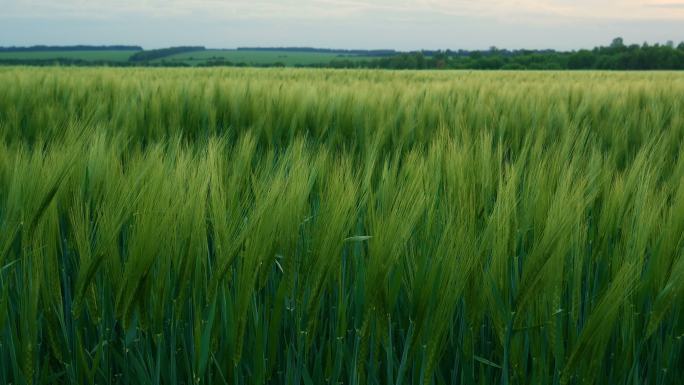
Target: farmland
column 197, row 57
column 290, row 226
column 94, row 55
column 254, row 57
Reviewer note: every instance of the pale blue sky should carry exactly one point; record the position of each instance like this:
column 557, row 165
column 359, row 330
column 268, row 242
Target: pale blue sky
column 398, row 24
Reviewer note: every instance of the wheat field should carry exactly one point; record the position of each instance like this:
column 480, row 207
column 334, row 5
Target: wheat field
column 282, row 226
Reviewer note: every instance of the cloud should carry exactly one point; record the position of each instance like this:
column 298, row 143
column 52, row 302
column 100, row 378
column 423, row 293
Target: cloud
column 402, row 24
column 534, row 12
column 341, row 9
column 668, row 5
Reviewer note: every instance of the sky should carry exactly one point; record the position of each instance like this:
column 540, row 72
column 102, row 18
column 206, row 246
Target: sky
column 363, row 24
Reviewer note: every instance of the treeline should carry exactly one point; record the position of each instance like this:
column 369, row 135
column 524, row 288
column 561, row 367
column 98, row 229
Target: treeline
column 360, row 52
column 153, row 54
column 617, row 56
column 43, row 48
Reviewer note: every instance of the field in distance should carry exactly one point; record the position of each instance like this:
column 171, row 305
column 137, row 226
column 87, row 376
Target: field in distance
column 257, row 57
column 289, row 58
column 94, row 55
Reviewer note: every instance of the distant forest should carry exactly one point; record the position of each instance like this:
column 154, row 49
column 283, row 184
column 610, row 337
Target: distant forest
column 616, row 56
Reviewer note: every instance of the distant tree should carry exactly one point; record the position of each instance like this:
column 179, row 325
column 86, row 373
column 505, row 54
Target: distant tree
column 420, row 60
column 439, row 60
column 513, row 66
column 490, row 63
column 582, row 59
column 617, row 43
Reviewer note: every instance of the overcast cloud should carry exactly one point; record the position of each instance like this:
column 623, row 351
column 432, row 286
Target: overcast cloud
column 399, row 24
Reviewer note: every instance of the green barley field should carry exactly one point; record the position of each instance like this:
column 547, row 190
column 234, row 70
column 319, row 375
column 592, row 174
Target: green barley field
column 281, row 226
